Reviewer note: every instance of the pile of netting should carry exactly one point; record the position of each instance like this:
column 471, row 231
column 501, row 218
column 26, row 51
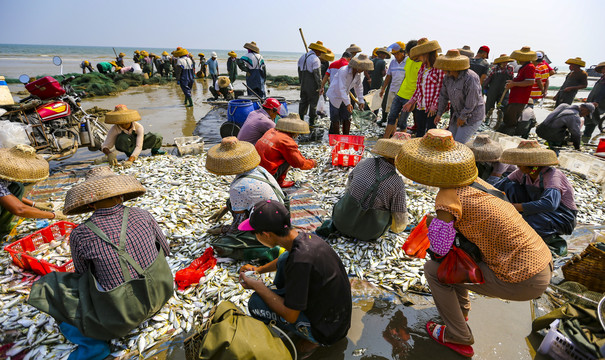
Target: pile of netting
column 97, row 84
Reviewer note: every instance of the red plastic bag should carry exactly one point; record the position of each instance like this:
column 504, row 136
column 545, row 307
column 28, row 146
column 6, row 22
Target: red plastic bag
column 459, row 268
column 417, row 242
column 194, row 272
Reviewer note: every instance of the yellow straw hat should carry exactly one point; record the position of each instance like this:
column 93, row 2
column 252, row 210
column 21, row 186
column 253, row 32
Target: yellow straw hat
column 232, row 53
column 181, row 52
column 503, row 59
column 437, row 160
column 101, row 183
column 252, row 47
column 232, row 157
column 165, row 53
column 599, row 67
column 577, row 61
column 329, row 56
column 121, row 115
column 361, row 62
column 485, row 149
column 383, row 50
column 319, row 46
column 466, row 51
column 144, row 53
column 424, row 47
column 223, row 81
column 292, row 124
column 388, row 148
column 452, row 61
column 524, row 55
column 201, row 54
column 21, row 164
column 121, row 54
column 353, row 49
column 137, row 52
column 529, row 153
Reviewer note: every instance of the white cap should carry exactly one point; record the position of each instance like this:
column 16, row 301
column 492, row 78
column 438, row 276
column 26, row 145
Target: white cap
column 539, row 55
column 213, row 54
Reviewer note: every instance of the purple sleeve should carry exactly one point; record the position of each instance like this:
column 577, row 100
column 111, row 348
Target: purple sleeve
column 441, row 236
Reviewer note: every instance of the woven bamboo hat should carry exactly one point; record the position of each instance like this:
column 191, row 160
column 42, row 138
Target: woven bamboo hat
column 122, row 115
column 361, row 62
column 232, row 157
column 328, row 56
column 389, row 148
column 452, row 61
column 524, row 55
column 21, row 164
column 121, row 54
column 383, row 50
column 529, row 153
column 437, row 160
column 353, row 49
column 503, row 59
column 223, row 81
column 165, row 53
column 466, row 51
column 577, row 61
column 424, row 47
column 319, row 46
column 232, row 53
column 485, row 149
column 292, row 124
column 144, row 53
column 101, row 183
column 599, row 67
column 252, row 47
column 181, row 52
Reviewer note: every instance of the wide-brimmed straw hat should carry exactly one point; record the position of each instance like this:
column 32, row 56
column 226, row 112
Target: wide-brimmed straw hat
column 599, row 67
column 292, row 124
column 21, row 164
column 396, row 47
column 252, row 47
column 200, row 54
column 319, row 46
column 577, row 61
column 524, row 55
column 328, row 56
column 223, row 81
column 437, row 160
column 232, row 53
column 383, row 50
column 121, row 54
column 485, row 149
column 361, row 62
column 353, row 49
column 232, row 157
column 101, row 183
column 122, row 115
column 165, row 53
column 144, row 53
column 181, row 52
column 452, row 61
column 424, row 47
column 503, row 59
column 466, row 51
column 388, row 148
column 529, row 153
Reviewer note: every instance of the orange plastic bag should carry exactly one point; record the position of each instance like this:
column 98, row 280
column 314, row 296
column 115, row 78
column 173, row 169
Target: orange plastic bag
column 194, row 272
column 459, row 268
column 418, row 243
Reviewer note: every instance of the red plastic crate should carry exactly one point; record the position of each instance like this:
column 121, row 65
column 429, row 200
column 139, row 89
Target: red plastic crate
column 19, row 248
column 345, row 159
column 45, row 88
column 351, row 139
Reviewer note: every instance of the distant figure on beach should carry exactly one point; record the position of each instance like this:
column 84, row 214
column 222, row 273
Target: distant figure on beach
column 309, row 73
column 85, row 65
column 232, row 66
column 479, row 63
column 495, row 82
column 597, row 96
column 253, row 65
column 543, row 73
column 222, row 88
column 184, row 74
column 120, row 59
column 105, row 67
column 166, row 64
column 213, row 68
column 203, row 66
column 577, row 79
column 145, row 61
column 136, row 56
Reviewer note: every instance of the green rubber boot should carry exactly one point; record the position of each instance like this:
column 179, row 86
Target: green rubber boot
column 189, row 100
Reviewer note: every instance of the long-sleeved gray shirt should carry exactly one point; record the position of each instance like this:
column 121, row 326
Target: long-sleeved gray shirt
column 564, row 117
column 464, row 96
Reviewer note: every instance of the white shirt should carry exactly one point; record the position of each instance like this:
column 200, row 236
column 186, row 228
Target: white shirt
column 185, row 62
column 255, row 59
column 397, row 72
column 309, row 62
column 217, row 88
column 343, row 81
column 116, row 130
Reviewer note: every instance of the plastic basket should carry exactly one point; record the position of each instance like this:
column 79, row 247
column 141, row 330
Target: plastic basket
column 559, row 347
column 18, row 249
column 351, row 139
column 346, row 159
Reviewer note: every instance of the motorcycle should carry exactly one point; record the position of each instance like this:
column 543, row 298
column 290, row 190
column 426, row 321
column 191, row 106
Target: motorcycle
column 58, row 125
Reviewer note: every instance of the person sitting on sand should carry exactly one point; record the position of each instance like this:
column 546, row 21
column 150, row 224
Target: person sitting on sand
column 278, row 150
column 128, row 136
column 563, row 124
column 312, row 298
column 222, row 88
column 85, row 65
column 487, row 158
column 259, row 121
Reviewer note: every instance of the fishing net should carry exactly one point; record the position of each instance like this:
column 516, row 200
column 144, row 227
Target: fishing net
column 584, row 297
column 363, row 120
column 282, row 80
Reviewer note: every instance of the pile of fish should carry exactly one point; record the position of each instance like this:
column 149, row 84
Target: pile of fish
column 56, row 252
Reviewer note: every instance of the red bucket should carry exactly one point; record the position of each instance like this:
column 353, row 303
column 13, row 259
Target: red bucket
column 601, row 146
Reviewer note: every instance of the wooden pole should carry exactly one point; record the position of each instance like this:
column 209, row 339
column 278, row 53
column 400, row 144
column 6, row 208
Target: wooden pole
column 303, row 39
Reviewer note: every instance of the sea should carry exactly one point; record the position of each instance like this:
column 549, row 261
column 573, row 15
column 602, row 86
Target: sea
column 35, row 60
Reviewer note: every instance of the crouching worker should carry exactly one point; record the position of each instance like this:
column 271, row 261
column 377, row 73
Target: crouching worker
column 259, row 121
column 375, row 196
column 252, row 184
column 128, row 136
column 121, row 275
column 278, row 150
column 541, row 193
column 487, row 158
column 564, row 124
column 222, row 88
column 313, row 296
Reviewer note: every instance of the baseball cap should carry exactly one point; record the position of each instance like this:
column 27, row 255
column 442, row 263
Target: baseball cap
column 539, row 55
column 484, row 48
column 267, row 215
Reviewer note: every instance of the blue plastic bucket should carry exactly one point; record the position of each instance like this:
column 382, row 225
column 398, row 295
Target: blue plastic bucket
column 238, row 110
column 255, row 101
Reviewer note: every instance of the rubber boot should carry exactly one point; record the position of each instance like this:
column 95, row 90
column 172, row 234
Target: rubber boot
column 189, row 101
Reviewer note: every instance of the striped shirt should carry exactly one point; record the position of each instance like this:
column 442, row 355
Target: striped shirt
column 542, row 74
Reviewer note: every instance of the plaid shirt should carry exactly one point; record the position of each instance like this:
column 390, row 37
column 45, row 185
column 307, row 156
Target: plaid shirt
column 509, row 70
column 89, row 251
column 428, row 93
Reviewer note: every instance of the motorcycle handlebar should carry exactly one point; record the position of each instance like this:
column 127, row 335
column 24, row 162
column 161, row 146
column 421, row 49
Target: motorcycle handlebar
column 26, row 99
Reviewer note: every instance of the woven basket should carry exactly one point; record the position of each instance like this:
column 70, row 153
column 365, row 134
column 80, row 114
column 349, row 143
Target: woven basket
column 588, row 268
column 21, row 163
column 193, row 344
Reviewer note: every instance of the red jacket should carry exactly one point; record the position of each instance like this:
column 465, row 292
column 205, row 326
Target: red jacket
column 276, row 147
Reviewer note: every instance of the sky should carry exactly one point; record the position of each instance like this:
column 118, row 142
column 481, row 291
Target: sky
column 562, row 28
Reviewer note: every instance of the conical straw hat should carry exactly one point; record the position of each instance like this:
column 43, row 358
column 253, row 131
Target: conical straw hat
column 524, row 55
column 383, row 50
column 232, row 157
column 437, row 160
column 165, row 53
column 389, row 148
column 424, row 47
column 578, row 61
column 485, row 149
column 452, row 61
column 353, row 49
column 181, row 52
column 292, row 124
column 21, row 164
column 503, row 58
column 121, row 115
column 529, row 153
column 223, row 81
column 232, row 53
column 329, row 56
column 101, row 183
column 599, row 67
column 466, row 51
column 319, row 46
column 361, row 62
column 252, row 47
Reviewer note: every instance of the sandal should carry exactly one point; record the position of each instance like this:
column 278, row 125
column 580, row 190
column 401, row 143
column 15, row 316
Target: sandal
column 438, row 334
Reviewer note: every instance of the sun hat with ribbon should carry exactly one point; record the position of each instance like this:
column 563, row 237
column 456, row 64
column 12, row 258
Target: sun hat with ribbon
column 577, row 61
column 424, row 47
column 452, row 61
column 181, row 52
column 525, row 54
column 437, row 160
column 388, row 148
column 485, row 149
column 232, row 157
column 328, row 56
column 319, row 46
column 232, row 53
column 503, row 58
column 21, row 164
column 223, row 81
column 101, row 183
column 383, row 50
column 122, row 115
column 361, row 62
column 292, row 124
column 529, row 153
column 252, row 47
column 466, row 51
column 353, row 49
